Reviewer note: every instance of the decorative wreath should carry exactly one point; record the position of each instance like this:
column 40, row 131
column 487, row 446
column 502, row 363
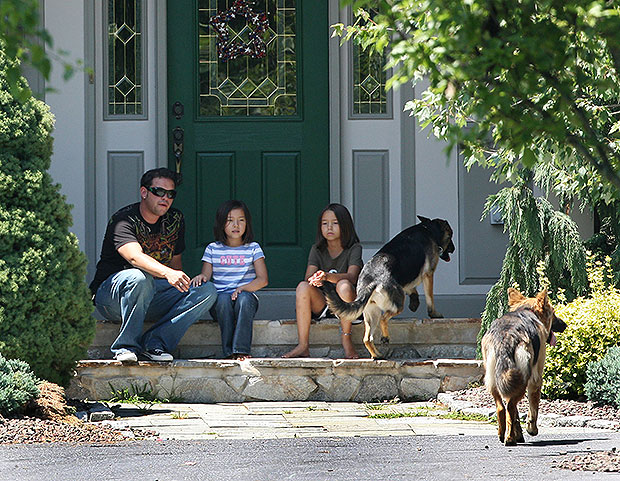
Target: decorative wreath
column 257, row 22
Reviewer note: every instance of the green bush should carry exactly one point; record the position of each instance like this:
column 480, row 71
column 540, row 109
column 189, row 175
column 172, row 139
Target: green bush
column 593, row 326
column 603, row 384
column 18, row 385
column 45, row 308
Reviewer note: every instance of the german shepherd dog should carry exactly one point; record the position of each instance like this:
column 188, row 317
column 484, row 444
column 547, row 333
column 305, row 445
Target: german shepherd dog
column 513, row 350
column 394, row 271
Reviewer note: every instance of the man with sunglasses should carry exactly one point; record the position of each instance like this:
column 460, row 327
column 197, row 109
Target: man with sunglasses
column 139, row 275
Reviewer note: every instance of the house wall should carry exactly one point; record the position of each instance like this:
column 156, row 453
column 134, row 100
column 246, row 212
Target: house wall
column 64, row 19
column 412, row 172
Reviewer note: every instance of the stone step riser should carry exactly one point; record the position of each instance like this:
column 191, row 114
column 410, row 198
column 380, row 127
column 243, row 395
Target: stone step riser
column 410, row 339
column 207, row 381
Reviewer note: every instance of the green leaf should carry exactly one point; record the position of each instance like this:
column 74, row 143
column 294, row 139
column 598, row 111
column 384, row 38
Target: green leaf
column 529, row 158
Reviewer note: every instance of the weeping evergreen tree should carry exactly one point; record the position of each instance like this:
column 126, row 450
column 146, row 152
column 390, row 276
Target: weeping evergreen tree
column 538, row 234
column 45, row 307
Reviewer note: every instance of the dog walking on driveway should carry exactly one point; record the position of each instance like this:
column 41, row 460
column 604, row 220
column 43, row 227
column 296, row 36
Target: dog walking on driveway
column 513, row 350
column 394, row 271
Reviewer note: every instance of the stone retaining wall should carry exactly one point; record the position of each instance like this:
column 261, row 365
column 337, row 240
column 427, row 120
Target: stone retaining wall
column 207, row 381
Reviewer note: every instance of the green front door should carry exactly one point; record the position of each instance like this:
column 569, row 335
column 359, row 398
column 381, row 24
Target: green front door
column 249, row 95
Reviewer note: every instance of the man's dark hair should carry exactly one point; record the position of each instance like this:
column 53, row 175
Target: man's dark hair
column 164, row 172
column 221, row 217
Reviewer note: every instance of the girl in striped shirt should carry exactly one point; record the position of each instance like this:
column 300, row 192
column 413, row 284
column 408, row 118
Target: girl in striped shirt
column 236, row 265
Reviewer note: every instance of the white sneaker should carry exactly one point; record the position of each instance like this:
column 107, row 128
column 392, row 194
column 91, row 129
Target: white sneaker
column 158, row 355
column 126, row 356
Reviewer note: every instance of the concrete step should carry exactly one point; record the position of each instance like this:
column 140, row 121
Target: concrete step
column 410, row 339
column 280, row 304
column 256, row 379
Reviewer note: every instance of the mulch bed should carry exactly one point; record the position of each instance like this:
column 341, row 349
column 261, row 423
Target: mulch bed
column 31, row 430
column 603, row 461
column 480, row 398
column 48, row 420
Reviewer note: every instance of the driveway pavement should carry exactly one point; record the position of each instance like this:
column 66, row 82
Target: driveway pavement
column 277, row 420
column 308, row 441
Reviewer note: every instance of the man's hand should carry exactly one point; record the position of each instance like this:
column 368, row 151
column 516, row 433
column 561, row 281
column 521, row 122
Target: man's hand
column 178, row 279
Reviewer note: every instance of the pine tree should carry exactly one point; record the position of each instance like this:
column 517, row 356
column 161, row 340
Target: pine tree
column 539, row 235
column 45, row 308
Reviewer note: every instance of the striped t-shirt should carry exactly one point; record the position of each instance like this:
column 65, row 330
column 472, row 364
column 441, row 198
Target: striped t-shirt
column 232, row 266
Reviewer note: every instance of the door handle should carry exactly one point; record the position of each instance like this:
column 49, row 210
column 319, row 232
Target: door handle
column 178, row 136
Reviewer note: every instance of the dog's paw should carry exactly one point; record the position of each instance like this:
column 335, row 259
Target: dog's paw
column 385, row 340
column 434, row 314
column 510, row 442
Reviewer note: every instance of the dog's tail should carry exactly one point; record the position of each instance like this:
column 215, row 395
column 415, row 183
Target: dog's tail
column 511, row 375
column 347, row 311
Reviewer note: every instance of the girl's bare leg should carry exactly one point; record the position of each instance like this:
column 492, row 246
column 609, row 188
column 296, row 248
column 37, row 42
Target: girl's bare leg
column 346, row 291
column 308, row 299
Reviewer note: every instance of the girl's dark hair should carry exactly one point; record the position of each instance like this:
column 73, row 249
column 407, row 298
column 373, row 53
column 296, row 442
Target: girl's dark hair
column 221, row 217
column 348, row 236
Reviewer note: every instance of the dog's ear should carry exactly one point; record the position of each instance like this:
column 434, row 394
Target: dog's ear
column 542, row 299
column 424, row 220
column 514, row 296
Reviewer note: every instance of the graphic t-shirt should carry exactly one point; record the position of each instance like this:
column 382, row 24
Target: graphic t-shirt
column 340, row 264
column 161, row 241
column 232, row 266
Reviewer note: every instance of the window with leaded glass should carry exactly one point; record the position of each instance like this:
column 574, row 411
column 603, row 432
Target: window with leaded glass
column 368, row 75
column 125, row 93
column 247, row 58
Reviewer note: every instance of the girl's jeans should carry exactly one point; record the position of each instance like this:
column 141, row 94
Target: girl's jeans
column 132, row 295
column 235, row 319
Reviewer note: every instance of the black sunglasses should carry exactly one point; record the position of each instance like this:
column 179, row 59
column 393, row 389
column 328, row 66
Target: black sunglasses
column 160, row 192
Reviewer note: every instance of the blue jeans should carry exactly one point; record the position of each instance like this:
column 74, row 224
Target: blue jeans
column 235, row 319
column 133, row 296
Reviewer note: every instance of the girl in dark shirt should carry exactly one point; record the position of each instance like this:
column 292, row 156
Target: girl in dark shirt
column 336, row 257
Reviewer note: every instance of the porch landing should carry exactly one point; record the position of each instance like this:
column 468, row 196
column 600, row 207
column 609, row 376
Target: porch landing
column 425, row 356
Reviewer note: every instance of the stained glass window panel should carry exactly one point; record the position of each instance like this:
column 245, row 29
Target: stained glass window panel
column 245, row 86
column 369, row 78
column 125, row 51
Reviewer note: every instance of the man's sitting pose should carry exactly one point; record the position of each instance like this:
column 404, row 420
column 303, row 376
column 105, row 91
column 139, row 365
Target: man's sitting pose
column 139, row 275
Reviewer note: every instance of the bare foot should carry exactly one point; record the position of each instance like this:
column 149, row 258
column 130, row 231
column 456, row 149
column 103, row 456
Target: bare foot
column 349, row 349
column 299, row 351
column 241, row 357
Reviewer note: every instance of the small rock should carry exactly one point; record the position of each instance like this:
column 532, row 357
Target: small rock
column 100, row 412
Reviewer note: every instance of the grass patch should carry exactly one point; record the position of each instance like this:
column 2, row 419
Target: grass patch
column 142, row 397
column 179, row 415
column 465, row 416
column 428, row 411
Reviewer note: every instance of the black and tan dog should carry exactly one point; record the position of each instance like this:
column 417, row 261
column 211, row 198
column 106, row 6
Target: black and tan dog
column 394, row 271
column 513, row 350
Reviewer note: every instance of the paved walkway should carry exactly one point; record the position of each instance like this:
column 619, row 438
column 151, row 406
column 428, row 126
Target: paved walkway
column 276, row 420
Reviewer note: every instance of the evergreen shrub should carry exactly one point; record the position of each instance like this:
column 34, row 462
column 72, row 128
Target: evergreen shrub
column 18, row 385
column 45, row 307
column 593, row 326
column 540, row 238
column 603, row 378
